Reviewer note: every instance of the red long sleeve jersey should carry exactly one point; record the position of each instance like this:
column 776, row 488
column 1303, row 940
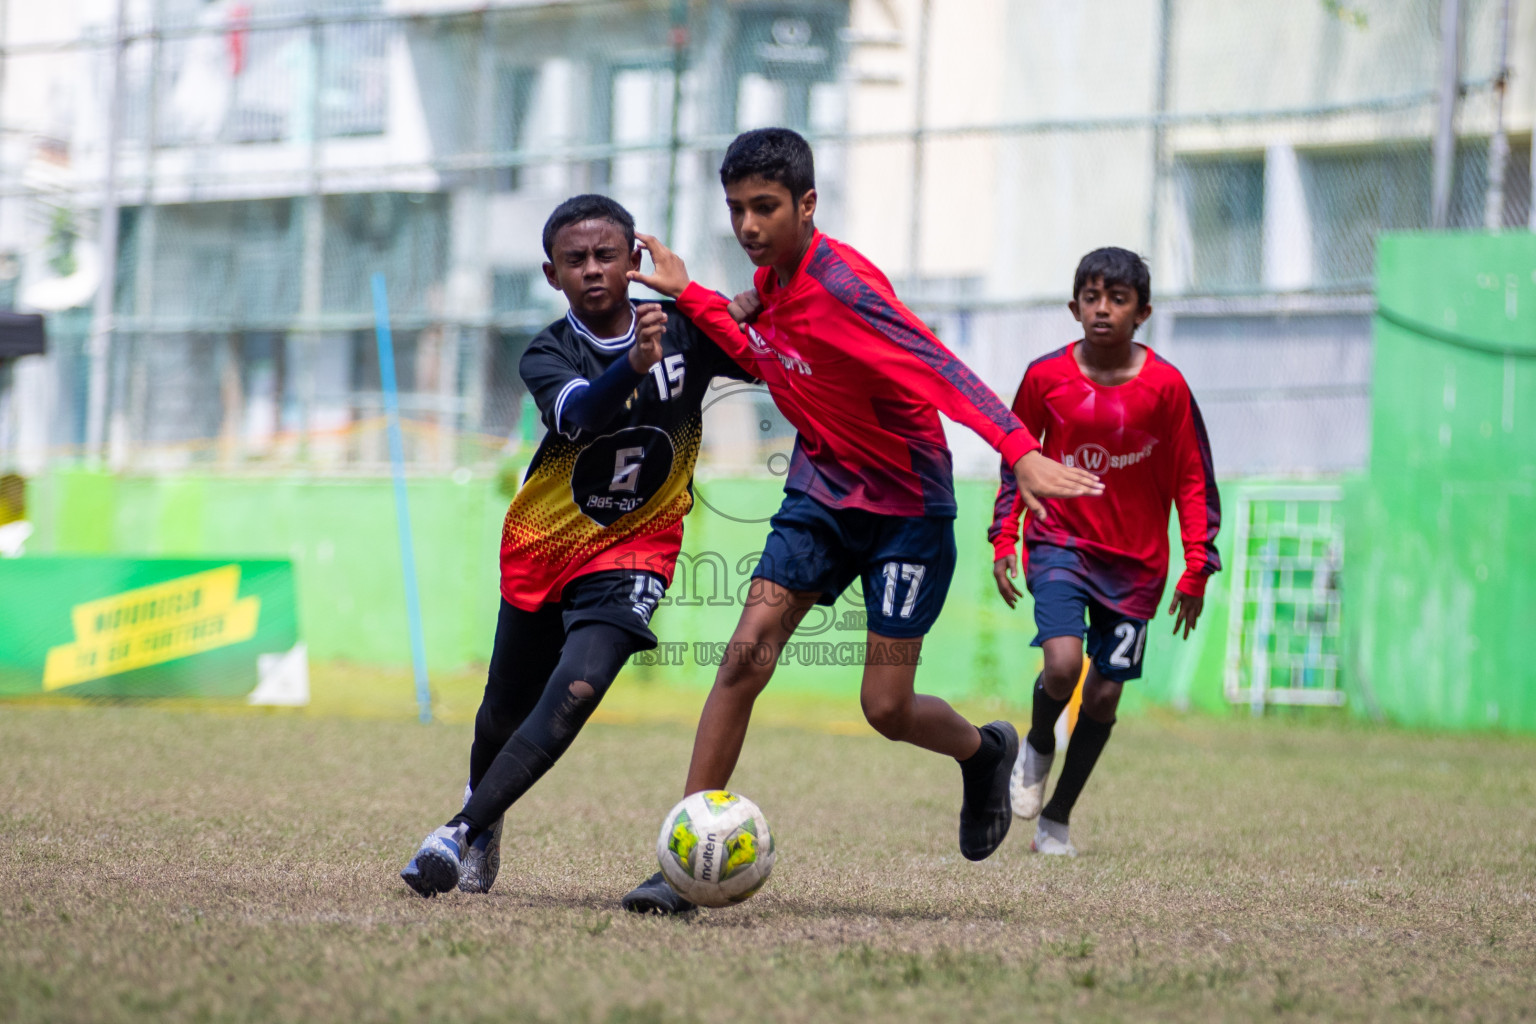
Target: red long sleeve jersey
column 863, row 382
column 1146, row 440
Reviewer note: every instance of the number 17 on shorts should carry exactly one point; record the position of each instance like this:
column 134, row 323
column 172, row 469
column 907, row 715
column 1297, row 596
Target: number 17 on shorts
column 903, row 597
column 896, row 574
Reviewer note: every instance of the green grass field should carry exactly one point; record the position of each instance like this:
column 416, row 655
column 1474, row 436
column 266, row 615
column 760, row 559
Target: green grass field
column 201, row 866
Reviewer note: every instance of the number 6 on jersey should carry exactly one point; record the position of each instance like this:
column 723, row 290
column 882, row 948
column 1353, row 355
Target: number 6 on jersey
column 626, row 469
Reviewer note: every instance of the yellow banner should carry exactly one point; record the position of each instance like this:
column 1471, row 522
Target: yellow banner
column 153, row 625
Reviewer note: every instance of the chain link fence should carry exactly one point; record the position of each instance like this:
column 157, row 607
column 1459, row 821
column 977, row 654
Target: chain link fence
column 259, row 160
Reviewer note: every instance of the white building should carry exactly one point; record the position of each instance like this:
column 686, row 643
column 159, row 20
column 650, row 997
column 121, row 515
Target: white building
column 268, row 156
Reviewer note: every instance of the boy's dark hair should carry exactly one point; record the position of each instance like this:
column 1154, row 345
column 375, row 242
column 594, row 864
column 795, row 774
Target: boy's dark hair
column 773, row 154
column 587, row 207
column 1115, row 266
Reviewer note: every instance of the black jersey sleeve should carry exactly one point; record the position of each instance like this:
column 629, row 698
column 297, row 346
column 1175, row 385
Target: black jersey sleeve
column 552, row 377
column 589, row 408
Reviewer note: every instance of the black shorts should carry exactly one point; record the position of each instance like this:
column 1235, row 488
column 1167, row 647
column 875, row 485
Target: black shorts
column 906, row 562
column 1115, row 641
column 625, row 598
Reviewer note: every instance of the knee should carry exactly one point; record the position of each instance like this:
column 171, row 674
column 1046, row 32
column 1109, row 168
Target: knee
column 1061, row 672
column 497, row 718
column 888, row 716
column 747, row 666
column 579, row 694
column 575, row 708
column 1100, row 701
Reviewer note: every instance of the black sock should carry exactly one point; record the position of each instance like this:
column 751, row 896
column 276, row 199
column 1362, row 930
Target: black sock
column 1042, row 723
column 976, row 770
column 1083, row 751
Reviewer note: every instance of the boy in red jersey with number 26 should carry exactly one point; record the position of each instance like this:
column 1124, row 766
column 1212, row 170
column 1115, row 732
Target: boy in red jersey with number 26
column 1115, row 408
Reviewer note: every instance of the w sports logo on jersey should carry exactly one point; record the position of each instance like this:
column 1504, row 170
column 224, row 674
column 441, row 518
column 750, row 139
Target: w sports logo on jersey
column 1096, row 458
column 792, row 363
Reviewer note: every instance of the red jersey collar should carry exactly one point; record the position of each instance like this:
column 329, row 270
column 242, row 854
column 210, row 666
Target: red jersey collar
column 768, row 281
column 1077, row 368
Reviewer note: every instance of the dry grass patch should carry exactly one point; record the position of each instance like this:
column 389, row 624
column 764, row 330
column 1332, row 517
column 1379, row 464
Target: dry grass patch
column 161, row 865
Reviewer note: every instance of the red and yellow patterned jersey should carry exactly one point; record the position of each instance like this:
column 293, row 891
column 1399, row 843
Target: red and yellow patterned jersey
column 615, row 497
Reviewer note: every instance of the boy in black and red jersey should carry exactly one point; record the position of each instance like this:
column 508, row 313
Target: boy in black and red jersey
column 590, row 540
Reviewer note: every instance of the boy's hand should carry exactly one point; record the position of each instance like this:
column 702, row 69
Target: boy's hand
column 1186, row 609
column 646, row 351
column 1039, row 477
column 669, row 276
column 1005, row 570
column 745, row 307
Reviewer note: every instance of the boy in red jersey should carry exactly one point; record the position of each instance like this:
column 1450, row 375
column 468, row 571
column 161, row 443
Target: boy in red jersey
column 869, row 493
column 1114, row 407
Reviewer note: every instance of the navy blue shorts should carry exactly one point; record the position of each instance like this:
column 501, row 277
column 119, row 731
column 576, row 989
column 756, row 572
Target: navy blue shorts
column 906, row 562
column 1115, row 641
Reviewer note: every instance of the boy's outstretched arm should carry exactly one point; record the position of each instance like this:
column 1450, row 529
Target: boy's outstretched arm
column 915, row 359
column 1040, row 476
column 920, row 363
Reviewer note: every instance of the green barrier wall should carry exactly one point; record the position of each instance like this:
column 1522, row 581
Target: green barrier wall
column 340, row 535
column 1440, row 574
column 101, row 626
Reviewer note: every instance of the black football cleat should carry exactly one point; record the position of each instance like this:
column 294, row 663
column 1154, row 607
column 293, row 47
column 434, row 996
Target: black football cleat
column 983, row 828
column 655, row 896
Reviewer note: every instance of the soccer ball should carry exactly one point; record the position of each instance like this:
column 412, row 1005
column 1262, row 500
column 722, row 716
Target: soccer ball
column 715, row 848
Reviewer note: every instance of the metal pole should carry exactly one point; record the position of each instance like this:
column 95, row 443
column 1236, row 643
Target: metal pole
column 1531, row 205
column 135, row 417
column 1498, row 146
column 402, row 505
column 9, row 416
column 5, row 64
column 674, row 136
column 312, row 258
column 1159, row 132
column 919, row 127
column 476, row 340
column 100, row 345
column 1445, row 128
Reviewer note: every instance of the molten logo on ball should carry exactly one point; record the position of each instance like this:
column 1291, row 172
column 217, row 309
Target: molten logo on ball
column 715, row 848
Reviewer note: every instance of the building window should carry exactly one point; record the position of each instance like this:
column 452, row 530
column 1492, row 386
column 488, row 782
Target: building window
column 403, row 235
column 1224, row 202
column 1469, row 186
column 514, row 98
column 354, row 79
column 1353, row 196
